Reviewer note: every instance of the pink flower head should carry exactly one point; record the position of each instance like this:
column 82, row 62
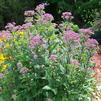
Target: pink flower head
column 1, row 35
column 53, row 57
column 40, row 7
column 75, row 62
column 91, row 43
column 24, row 70
column 5, row 35
column 29, row 13
column 47, row 17
column 10, row 26
column 70, row 35
column 87, row 32
column 67, row 15
column 1, row 75
column 35, row 41
column 16, row 28
column 26, row 25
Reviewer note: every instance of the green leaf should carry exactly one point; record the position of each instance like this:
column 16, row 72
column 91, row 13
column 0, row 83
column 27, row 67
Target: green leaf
column 46, row 88
column 49, row 89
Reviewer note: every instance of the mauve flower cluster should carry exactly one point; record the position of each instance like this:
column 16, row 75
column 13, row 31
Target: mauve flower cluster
column 91, row 43
column 22, row 27
column 1, row 75
column 86, row 32
column 70, row 35
column 35, row 41
column 53, row 57
column 5, row 35
column 40, row 7
column 24, row 70
column 46, row 18
column 29, row 13
column 10, row 26
column 67, row 15
column 75, row 62
column 27, row 25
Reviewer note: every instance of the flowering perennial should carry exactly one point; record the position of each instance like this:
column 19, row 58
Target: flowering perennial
column 44, row 60
column 29, row 13
column 91, row 43
column 67, row 15
column 70, row 35
column 35, row 41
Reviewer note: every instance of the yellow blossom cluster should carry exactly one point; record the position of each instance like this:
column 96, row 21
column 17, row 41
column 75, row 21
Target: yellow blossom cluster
column 3, row 66
column 6, row 45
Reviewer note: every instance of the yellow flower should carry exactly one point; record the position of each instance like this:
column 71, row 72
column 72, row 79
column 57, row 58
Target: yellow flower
column 21, row 33
column 2, row 58
column 7, row 45
column 4, row 67
column 0, row 40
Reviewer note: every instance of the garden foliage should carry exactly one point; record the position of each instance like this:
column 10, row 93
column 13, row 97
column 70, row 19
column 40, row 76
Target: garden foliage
column 44, row 61
column 83, row 10
column 12, row 10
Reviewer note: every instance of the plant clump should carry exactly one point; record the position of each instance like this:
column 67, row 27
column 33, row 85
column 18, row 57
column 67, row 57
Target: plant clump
column 42, row 60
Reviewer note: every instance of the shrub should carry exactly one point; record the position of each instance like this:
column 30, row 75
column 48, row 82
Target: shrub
column 41, row 60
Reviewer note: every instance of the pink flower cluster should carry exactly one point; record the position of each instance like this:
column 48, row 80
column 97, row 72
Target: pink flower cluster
column 53, row 57
column 1, row 75
column 27, row 25
column 40, row 7
column 91, row 43
column 35, row 41
column 75, row 62
column 10, row 26
column 5, row 35
column 47, row 17
column 67, row 15
column 70, row 35
column 87, row 32
column 24, row 70
column 29, row 13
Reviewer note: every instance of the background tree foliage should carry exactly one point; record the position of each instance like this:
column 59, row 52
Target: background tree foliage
column 83, row 10
column 12, row 10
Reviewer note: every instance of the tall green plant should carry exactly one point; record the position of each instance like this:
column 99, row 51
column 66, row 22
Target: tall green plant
column 46, row 61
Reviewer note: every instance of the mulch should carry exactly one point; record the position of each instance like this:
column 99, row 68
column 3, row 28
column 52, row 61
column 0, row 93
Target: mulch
column 96, row 96
column 97, row 60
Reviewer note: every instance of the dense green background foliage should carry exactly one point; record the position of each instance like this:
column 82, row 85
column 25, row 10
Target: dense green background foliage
column 12, row 10
column 83, row 10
